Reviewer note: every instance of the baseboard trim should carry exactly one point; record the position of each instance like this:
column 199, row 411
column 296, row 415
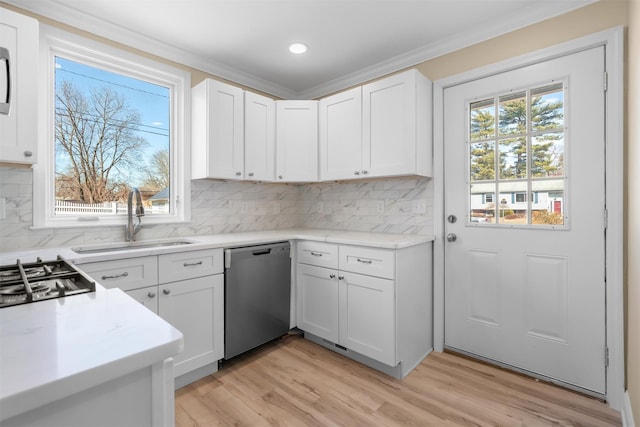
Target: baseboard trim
column 627, row 414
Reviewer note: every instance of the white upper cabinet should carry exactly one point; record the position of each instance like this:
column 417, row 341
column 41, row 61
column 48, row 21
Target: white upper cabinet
column 396, row 123
column 296, row 141
column 379, row 129
column 341, row 136
column 217, row 132
column 259, row 137
column 18, row 87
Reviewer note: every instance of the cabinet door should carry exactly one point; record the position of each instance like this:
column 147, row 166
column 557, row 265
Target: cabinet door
column 297, row 141
column 259, row 137
column 317, row 290
column 18, row 95
column 389, row 125
column 196, row 308
column 146, row 296
column 217, row 131
column 341, row 136
column 367, row 316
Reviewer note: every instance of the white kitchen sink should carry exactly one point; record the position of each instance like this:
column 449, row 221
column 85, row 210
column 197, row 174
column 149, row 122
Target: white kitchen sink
column 127, row 246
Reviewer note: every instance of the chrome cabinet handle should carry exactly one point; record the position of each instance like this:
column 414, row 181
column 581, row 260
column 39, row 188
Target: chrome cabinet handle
column 238, row 173
column 250, row 173
column 28, row 153
column 191, row 264
column 356, row 172
column 151, row 294
column 5, row 103
column 365, row 172
column 340, row 277
column 364, row 261
column 315, row 253
column 279, row 176
column 166, row 291
column 115, row 276
column 332, row 276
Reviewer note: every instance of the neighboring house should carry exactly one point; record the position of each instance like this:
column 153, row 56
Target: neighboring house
column 545, row 196
column 160, row 201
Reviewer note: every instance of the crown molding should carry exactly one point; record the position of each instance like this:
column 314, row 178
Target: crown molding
column 94, row 25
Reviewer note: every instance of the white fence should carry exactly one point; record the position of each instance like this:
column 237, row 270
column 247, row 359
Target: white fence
column 63, row 207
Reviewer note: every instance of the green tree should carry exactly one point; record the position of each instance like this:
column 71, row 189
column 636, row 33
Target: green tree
column 482, row 150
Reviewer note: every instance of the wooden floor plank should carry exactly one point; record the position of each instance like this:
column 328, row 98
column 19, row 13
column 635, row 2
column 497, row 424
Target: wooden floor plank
column 294, row 382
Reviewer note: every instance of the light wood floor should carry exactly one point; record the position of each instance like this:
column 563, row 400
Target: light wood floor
column 294, row 382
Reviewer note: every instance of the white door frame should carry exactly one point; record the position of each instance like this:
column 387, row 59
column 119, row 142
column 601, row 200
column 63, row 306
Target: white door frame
column 613, row 40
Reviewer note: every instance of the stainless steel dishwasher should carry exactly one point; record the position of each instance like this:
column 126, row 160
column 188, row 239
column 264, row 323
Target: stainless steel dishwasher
column 257, row 286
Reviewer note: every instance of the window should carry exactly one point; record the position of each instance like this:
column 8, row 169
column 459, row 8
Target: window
column 111, row 121
column 516, row 149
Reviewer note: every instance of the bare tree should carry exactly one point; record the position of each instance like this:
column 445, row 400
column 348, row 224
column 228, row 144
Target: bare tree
column 157, row 176
column 98, row 135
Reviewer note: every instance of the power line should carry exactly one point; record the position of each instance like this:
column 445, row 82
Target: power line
column 116, row 123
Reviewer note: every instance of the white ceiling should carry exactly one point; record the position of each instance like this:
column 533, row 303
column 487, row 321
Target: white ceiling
column 349, row 41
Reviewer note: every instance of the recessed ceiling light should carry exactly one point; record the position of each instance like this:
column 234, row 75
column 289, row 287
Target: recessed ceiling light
column 298, row 48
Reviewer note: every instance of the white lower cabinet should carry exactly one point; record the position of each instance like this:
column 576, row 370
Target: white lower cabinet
column 367, row 302
column 367, row 316
column 196, row 308
column 318, row 295
column 187, row 290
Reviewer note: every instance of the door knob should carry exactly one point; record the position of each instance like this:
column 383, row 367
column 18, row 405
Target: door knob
column 451, row 237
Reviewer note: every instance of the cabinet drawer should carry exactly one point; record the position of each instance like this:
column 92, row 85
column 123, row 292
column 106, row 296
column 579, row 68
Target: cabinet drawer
column 320, row 254
column 188, row 265
column 372, row 262
column 126, row 274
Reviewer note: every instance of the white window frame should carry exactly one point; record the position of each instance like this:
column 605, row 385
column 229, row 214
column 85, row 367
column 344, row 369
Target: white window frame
column 57, row 42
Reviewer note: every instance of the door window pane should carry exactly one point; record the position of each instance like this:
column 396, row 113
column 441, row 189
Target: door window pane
column 513, row 158
column 513, row 114
column 512, row 203
column 483, row 161
column 547, row 155
column 547, row 108
column 548, row 207
column 482, row 118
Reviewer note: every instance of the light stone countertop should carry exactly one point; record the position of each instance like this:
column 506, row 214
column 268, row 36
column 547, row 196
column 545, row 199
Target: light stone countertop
column 55, row 348
column 227, row 240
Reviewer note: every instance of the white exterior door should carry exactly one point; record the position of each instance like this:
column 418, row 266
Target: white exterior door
column 524, row 206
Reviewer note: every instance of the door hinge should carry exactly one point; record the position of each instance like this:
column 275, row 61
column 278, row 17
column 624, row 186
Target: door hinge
column 605, row 218
column 606, row 356
column 606, row 81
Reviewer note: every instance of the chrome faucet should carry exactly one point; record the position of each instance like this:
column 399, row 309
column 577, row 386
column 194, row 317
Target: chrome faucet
column 131, row 230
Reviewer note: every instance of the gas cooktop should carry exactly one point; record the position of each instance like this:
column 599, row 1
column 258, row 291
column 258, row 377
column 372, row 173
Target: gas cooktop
column 23, row 283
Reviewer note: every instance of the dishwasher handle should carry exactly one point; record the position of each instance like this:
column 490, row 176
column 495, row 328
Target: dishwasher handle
column 261, row 252
column 227, row 258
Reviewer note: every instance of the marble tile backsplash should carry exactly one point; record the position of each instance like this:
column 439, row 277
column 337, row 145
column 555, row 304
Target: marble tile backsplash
column 390, row 205
column 397, row 205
